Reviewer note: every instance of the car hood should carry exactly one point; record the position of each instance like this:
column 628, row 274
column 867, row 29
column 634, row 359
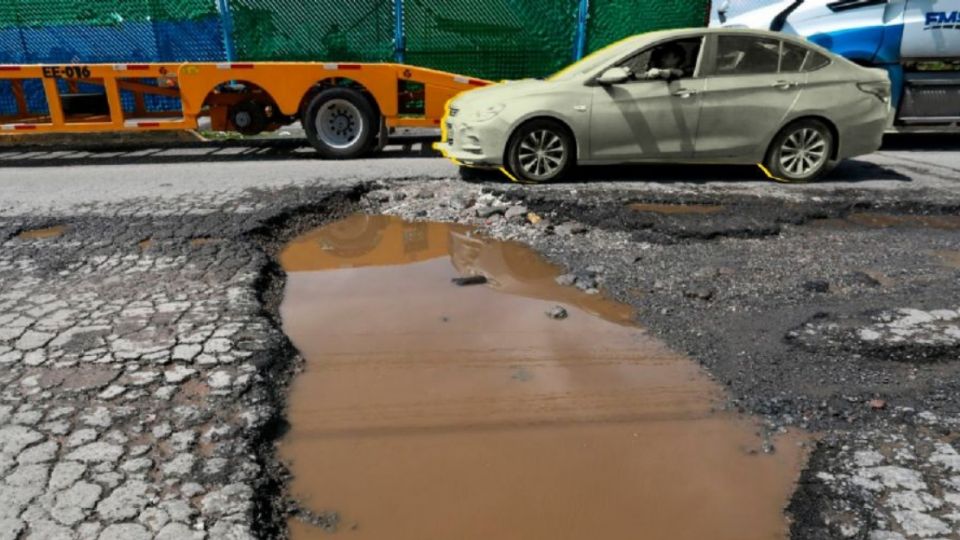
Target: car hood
column 500, row 92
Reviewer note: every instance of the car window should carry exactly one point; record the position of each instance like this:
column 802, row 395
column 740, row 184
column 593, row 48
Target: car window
column 815, row 61
column 680, row 55
column 792, row 57
column 741, row 55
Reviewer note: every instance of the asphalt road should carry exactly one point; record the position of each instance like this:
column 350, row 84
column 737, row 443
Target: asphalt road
column 143, row 375
column 43, row 179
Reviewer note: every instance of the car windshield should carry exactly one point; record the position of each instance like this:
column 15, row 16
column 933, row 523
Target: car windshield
column 599, row 58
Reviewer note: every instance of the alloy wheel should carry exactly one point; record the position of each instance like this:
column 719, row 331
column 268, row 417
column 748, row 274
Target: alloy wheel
column 541, row 154
column 803, row 152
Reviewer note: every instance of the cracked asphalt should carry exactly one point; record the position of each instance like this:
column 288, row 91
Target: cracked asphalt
column 143, row 372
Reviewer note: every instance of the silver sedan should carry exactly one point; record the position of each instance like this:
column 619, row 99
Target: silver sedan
column 694, row 95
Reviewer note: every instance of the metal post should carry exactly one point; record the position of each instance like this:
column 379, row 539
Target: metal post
column 23, row 40
column 583, row 13
column 399, row 35
column 226, row 21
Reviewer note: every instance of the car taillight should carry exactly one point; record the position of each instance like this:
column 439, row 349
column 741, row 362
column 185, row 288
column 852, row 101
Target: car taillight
column 881, row 89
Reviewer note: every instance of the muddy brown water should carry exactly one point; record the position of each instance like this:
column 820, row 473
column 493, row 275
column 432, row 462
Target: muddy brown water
column 44, row 233
column 431, row 411
column 877, row 220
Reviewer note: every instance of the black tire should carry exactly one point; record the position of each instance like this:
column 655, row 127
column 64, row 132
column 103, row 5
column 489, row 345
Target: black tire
column 806, row 165
column 249, row 117
column 352, row 145
column 520, row 165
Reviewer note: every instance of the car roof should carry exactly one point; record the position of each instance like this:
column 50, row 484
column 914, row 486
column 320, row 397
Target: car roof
column 629, row 44
column 733, row 31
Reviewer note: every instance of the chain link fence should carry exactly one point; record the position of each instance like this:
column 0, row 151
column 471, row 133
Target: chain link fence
column 493, row 39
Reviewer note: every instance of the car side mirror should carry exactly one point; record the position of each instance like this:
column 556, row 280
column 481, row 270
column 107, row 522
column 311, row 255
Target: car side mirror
column 614, row 75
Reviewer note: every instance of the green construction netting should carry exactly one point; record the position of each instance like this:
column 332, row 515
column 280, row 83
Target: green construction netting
column 313, row 29
column 34, row 13
column 612, row 20
column 494, row 39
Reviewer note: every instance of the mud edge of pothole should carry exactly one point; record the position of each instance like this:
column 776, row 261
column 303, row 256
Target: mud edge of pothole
column 272, row 503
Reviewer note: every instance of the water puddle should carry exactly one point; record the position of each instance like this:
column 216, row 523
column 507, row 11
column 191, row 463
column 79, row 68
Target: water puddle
column 430, row 410
column 876, row 220
column 671, row 209
column 44, row 233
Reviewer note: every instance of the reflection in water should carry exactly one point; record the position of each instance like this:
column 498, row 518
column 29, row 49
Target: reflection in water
column 431, row 411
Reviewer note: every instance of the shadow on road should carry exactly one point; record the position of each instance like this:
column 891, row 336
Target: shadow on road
column 847, row 172
column 188, row 152
column 921, row 141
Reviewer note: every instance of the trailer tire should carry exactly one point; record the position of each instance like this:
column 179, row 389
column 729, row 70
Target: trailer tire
column 340, row 123
column 248, row 117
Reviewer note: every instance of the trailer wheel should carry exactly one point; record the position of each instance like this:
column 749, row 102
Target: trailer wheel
column 248, row 117
column 340, row 123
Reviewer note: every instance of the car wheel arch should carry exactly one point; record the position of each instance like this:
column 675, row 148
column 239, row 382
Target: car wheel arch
column 535, row 117
column 834, row 152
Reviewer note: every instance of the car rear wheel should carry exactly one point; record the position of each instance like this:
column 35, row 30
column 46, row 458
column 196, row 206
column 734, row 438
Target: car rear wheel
column 540, row 151
column 801, row 152
column 340, row 123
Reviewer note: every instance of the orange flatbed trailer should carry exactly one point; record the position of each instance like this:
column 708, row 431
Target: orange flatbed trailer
column 347, row 109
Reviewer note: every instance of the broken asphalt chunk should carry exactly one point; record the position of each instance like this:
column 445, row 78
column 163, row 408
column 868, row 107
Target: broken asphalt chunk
column 469, row 280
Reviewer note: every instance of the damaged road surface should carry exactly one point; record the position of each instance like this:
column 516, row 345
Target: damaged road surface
column 427, row 410
column 148, row 389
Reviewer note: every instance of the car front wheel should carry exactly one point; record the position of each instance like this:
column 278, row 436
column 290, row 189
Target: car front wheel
column 540, row 151
column 801, row 152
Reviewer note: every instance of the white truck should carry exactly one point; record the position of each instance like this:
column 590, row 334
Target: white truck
column 916, row 41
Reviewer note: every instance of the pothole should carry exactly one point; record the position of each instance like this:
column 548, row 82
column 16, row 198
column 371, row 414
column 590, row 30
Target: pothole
column 877, row 220
column 903, row 335
column 431, row 410
column 43, row 233
column 664, row 208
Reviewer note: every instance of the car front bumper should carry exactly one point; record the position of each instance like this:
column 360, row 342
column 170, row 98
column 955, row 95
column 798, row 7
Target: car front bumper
column 476, row 145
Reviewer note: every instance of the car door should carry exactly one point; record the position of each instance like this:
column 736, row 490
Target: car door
column 648, row 119
column 752, row 84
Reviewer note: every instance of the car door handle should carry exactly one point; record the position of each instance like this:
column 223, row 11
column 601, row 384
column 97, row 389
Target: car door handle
column 683, row 93
column 784, row 85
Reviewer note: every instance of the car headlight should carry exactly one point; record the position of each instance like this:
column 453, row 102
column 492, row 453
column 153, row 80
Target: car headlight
column 488, row 113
